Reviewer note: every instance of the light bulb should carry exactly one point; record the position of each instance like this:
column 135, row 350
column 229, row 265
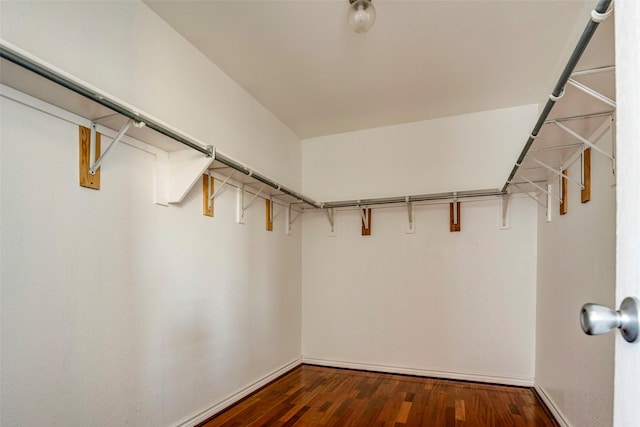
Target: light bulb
column 361, row 19
column 362, row 15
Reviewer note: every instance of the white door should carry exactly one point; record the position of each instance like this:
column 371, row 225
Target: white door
column 627, row 366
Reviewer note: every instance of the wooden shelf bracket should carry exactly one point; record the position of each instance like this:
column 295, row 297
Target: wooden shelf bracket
column 585, row 168
column 366, row 221
column 207, row 200
column 269, row 214
column 454, row 215
column 91, row 155
column 89, row 148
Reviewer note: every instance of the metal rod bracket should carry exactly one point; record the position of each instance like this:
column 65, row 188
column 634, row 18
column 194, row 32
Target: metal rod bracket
column 411, row 229
column 595, row 94
column 331, row 216
column 556, row 171
column 245, row 207
column 584, row 140
column 505, row 217
column 94, row 167
column 598, row 17
column 222, row 186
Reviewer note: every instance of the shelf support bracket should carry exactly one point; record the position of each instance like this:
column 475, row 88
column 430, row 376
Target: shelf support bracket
column 598, row 70
column 290, row 219
column 584, row 140
column 564, row 205
column 585, row 167
column 612, row 128
column 607, row 124
column 505, row 220
column 535, row 199
column 332, row 221
column 245, row 207
column 274, row 214
column 593, row 93
column 366, row 221
column 222, row 187
column 411, row 229
column 89, row 143
column 240, row 205
column 177, row 172
column 454, row 214
column 207, row 200
column 94, row 167
column 268, row 203
column 555, row 171
column 546, row 191
column 549, row 212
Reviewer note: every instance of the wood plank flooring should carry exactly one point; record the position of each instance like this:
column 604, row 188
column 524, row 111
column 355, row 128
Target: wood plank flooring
column 319, row 396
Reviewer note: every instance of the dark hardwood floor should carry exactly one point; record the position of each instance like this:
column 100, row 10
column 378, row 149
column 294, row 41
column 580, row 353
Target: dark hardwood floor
column 318, row 396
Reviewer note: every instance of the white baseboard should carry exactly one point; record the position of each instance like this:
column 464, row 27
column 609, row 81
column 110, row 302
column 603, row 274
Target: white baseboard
column 240, row 394
column 557, row 413
column 466, row 376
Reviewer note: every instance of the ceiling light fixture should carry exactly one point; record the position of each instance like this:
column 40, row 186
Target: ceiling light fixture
column 362, row 15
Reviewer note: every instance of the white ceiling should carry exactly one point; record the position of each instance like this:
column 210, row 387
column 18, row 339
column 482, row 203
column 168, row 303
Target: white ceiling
column 421, row 60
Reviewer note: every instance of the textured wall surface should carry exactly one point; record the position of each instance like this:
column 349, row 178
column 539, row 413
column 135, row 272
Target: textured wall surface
column 116, row 311
column 576, row 265
column 435, row 302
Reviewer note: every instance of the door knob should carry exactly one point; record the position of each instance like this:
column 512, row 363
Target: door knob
column 597, row 319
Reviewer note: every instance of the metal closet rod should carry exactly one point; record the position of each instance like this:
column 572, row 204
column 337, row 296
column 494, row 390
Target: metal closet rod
column 585, row 38
column 410, row 199
column 48, row 74
column 63, row 81
column 227, row 161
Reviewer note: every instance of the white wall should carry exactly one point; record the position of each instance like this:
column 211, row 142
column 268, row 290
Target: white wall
column 576, row 265
column 145, row 315
column 116, row 311
column 466, row 152
column 125, row 50
column 458, row 305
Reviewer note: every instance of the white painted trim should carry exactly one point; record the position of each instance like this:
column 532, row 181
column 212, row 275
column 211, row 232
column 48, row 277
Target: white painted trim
column 452, row 375
column 237, row 396
column 551, row 405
